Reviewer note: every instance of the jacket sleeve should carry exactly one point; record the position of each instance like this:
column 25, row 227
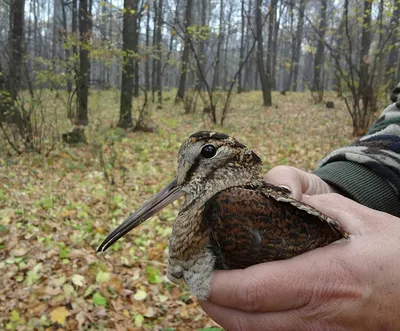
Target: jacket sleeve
column 368, row 171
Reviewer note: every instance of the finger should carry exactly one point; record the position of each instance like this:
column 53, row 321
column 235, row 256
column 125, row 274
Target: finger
column 285, row 176
column 232, row 319
column 299, row 181
column 259, row 288
column 355, row 218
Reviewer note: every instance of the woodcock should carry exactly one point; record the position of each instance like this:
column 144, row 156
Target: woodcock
column 230, row 219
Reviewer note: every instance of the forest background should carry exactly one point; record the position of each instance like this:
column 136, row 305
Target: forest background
column 95, row 99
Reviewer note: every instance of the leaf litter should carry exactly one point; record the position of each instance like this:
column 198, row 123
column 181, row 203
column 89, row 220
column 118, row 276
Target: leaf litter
column 55, row 211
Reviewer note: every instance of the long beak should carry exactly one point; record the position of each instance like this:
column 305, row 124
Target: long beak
column 168, row 194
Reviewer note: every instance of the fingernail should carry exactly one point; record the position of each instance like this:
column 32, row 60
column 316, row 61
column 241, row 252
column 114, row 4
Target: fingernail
column 287, row 188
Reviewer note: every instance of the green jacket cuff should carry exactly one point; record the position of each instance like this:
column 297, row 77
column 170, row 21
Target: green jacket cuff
column 361, row 184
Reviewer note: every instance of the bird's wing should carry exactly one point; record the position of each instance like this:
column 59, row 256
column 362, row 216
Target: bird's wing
column 252, row 225
column 283, row 195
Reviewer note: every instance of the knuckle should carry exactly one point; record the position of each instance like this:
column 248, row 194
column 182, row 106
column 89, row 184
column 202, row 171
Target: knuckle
column 250, row 295
column 280, row 169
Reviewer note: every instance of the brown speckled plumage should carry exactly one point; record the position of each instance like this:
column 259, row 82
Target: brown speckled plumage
column 231, row 218
column 248, row 226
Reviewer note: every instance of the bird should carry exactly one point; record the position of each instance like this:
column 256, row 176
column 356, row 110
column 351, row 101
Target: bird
column 231, row 218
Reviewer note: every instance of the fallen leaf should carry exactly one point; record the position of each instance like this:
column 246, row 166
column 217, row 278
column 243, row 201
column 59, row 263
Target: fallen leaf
column 140, row 295
column 99, row 299
column 34, row 275
column 102, row 277
column 139, row 319
column 77, row 280
column 20, row 251
column 14, row 316
column 59, row 315
column 59, row 281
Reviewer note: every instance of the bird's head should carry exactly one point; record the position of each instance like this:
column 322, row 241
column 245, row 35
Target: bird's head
column 212, row 161
column 208, row 162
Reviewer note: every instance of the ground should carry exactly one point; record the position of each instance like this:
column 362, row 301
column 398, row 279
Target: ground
column 55, row 210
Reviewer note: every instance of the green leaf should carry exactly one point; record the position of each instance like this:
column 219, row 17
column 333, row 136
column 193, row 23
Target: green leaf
column 34, row 275
column 139, row 319
column 102, row 277
column 64, row 251
column 153, row 275
column 14, row 316
column 210, row 329
column 89, row 290
column 99, row 300
column 140, row 295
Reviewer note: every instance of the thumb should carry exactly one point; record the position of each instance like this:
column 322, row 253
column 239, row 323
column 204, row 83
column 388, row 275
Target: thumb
column 299, row 181
column 277, row 285
column 355, row 218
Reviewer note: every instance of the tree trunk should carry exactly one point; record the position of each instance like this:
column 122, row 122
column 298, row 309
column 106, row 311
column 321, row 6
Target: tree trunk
column 17, row 47
column 228, row 33
column 12, row 85
column 265, row 84
column 275, row 45
column 74, row 26
column 147, row 63
column 65, row 35
column 249, row 65
column 271, row 23
column 84, row 63
column 54, row 42
column 293, row 48
column 136, row 74
column 392, row 67
column 129, row 34
column 338, row 79
column 171, row 45
column 241, row 56
column 159, row 50
column 154, row 61
column 185, row 55
column 318, row 84
column 365, row 87
column 217, row 81
column 299, row 38
column 202, row 47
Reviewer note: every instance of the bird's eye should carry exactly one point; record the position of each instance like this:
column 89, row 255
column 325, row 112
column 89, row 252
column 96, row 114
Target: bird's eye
column 208, row 151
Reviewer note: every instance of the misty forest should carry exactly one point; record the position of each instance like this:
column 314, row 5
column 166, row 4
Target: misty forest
column 96, row 98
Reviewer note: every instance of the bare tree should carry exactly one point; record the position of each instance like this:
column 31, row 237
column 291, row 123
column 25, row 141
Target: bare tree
column 318, row 84
column 393, row 66
column 129, row 34
column 84, row 63
column 11, row 85
column 147, row 62
column 298, row 41
column 270, row 44
column 185, row 55
column 158, row 39
column 242, row 44
column 365, row 86
column 264, row 79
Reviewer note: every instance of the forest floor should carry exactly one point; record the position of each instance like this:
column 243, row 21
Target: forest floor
column 56, row 210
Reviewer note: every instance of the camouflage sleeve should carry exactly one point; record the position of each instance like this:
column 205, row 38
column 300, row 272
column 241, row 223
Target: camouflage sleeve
column 368, row 171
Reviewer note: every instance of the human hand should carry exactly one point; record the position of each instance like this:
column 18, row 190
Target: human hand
column 299, row 181
column 348, row 285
